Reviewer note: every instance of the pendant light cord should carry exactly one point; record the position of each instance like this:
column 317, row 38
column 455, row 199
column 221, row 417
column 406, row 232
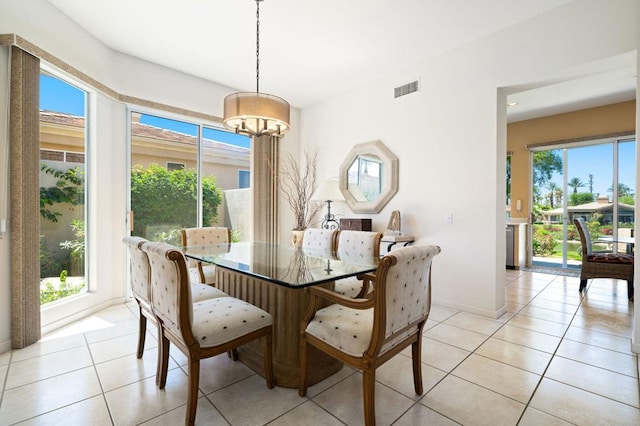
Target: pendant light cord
column 258, row 46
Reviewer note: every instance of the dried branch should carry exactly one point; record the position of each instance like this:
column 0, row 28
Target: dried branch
column 298, row 183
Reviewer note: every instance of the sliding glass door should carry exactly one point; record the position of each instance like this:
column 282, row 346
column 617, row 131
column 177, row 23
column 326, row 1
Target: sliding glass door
column 594, row 180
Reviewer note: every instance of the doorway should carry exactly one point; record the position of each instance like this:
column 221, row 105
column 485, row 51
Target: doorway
column 593, row 179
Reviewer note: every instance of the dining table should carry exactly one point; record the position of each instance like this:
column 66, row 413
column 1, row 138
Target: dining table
column 629, row 242
column 273, row 277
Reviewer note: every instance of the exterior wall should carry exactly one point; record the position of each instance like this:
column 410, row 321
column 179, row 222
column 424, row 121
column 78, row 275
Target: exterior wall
column 586, row 123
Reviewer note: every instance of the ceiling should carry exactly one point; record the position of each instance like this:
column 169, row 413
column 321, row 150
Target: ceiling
column 312, row 51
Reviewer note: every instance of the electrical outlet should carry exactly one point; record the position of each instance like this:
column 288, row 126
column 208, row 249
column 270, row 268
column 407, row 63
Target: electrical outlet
column 449, row 218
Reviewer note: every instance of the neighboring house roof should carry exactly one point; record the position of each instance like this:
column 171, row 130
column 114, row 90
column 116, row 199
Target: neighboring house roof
column 141, row 130
column 594, row 206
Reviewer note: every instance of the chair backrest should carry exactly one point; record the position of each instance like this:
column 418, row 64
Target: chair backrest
column 585, row 236
column 170, row 288
column 140, row 273
column 403, row 292
column 354, row 245
column 207, row 236
column 318, row 239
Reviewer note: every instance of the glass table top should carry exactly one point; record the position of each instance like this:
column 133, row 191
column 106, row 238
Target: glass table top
column 282, row 264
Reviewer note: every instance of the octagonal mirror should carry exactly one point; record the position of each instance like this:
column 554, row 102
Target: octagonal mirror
column 369, row 177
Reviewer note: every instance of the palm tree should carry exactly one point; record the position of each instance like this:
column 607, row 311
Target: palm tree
column 575, row 183
column 552, row 190
column 623, row 190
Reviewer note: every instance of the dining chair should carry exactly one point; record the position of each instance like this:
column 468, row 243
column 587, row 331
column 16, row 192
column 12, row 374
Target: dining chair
column 366, row 333
column 140, row 276
column 356, row 246
column 602, row 264
column 198, row 237
column 202, row 329
column 319, row 239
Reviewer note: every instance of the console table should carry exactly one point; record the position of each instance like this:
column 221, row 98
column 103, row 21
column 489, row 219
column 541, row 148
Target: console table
column 392, row 240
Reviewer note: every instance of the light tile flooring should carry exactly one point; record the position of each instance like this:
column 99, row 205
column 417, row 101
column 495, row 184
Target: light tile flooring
column 555, row 358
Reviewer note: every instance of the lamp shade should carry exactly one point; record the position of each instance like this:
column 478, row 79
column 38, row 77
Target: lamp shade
column 328, row 190
column 256, row 114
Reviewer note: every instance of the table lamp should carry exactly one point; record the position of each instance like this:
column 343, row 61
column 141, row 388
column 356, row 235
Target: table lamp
column 328, row 191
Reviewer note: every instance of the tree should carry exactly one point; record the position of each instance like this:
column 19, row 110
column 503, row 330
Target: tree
column 545, row 164
column 590, row 183
column 159, row 196
column 69, row 189
column 552, row 192
column 575, row 183
column 580, row 198
column 623, row 190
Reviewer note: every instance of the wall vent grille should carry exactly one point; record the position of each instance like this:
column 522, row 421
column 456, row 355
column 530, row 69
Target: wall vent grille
column 405, row 89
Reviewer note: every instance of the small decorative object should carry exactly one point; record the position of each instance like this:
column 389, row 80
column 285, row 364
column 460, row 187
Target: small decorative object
column 394, row 223
column 298, row 183
column 328, row 191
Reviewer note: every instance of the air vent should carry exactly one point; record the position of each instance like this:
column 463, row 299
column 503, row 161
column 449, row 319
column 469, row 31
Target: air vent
column 405, row 89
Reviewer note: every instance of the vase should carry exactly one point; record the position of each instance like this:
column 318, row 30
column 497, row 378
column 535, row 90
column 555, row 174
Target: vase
column 296, row 237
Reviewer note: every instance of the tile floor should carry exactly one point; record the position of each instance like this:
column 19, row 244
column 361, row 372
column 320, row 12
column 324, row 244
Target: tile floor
column 554, row 358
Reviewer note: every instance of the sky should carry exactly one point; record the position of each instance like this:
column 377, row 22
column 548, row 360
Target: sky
column 598, row 161
column 59, row 96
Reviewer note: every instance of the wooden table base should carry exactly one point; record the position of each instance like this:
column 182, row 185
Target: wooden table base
column 287, row 306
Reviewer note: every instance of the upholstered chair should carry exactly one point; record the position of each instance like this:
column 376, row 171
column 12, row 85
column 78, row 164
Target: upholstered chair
column 140, row 287
column 603, row 264
column 199, row 237
column 202, row 329
column 356, row 246
column 319, row 239
column 140, row 276
column 365, row 333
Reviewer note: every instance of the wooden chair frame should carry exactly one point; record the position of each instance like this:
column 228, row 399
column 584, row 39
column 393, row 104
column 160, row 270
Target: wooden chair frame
column 371, row 359
column 189, row 345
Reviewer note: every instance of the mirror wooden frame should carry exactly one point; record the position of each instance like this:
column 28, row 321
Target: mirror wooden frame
column 389, row 176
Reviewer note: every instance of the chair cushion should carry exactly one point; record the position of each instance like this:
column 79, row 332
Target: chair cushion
column 220, row 320
column 610, row 258
column 349, row 287
column 346, row 329
column 200, row 292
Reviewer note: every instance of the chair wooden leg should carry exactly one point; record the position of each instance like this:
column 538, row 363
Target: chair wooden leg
column 304, row 366
column 369, row 396
column 583, row 284
column 416, row 350
column 267, row 354
column 142, row 334
column 192, row 395
column 163, row 360
column 630, row 290
column 233, row 354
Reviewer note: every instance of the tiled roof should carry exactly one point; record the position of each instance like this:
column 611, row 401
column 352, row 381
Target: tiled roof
column 141, row 130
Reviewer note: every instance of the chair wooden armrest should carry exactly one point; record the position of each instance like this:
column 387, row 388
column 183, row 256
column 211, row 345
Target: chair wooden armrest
column 334, row 297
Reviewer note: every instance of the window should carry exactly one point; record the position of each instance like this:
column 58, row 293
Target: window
column 62, row 189
column 244, row 179
column 201, row 175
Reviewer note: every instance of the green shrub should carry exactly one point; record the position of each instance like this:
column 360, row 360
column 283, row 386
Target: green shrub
column 162, row 197
column 543, row 243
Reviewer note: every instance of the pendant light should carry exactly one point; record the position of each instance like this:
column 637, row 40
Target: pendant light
column 256, row 114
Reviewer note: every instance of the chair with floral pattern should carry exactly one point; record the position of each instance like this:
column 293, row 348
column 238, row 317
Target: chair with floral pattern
column 366, row 333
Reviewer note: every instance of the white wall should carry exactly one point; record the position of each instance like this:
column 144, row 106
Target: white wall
column 450, row 137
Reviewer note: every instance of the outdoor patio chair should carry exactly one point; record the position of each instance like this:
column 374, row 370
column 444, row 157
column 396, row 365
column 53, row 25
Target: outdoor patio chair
column 366, row 333
column 198, row 237
column 603, row 265
column 203, row 329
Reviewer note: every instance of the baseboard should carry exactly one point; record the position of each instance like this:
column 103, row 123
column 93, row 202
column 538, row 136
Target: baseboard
column 470, row 309
column 5, row 346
